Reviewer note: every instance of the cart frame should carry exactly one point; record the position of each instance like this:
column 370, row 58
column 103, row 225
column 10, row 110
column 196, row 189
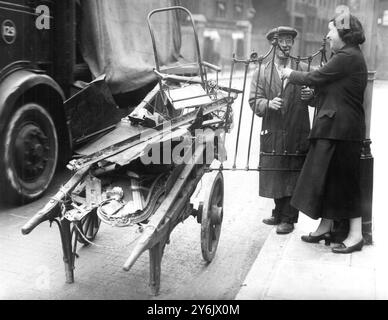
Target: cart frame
column 174, row 206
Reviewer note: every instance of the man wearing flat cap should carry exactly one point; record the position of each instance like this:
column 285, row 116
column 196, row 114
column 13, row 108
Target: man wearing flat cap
column 284, row 132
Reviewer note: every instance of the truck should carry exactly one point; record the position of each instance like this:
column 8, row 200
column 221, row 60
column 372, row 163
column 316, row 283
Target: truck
column 53, row 51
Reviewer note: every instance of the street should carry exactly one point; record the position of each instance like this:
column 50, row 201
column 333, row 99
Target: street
column 69, row 70
column 32, row 268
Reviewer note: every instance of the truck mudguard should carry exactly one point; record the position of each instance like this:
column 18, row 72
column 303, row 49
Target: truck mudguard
column 16, row 84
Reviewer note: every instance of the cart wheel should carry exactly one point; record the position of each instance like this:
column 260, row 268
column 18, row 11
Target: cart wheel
column 212, row 214
column 89, row 226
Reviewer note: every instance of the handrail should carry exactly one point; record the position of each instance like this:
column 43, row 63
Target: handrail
column 259, row 59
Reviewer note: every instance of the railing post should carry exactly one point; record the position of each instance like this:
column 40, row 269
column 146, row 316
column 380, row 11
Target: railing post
column 366, row 163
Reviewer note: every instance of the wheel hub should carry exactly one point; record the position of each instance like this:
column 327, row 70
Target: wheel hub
column 216, row 215
column 32, row 147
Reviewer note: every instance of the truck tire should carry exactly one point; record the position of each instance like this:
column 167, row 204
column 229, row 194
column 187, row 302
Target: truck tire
column 28, row 154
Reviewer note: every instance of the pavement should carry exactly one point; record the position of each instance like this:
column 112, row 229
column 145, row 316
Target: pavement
column 289, row 269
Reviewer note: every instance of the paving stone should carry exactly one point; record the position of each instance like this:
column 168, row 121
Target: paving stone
column 311, row 281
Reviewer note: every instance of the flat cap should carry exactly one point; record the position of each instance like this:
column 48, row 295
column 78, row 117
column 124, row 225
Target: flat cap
column 281, row 31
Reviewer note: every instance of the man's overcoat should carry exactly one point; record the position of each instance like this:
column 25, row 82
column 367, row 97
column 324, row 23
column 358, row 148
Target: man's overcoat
column 284, row 132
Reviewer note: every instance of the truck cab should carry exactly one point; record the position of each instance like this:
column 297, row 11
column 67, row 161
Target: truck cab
column 40, row 69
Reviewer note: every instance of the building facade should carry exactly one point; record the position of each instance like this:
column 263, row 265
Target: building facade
column 223, row 28
column 269, row 14
column 239, row 26
column 309, row 17
column 382, row 44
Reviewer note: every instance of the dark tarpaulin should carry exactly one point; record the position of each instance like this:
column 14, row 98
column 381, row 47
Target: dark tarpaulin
column 115, row 40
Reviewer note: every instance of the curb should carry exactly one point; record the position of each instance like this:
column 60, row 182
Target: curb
column 260, row 276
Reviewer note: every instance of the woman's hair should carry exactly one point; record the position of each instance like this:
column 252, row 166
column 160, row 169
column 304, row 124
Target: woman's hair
column 354, row 35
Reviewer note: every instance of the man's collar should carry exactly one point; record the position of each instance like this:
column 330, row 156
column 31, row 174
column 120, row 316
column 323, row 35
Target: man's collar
column 288, row 65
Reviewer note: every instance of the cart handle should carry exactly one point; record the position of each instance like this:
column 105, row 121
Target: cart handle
column 51, row 210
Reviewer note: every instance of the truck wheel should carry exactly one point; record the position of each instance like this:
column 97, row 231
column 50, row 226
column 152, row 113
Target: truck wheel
column 28, row 154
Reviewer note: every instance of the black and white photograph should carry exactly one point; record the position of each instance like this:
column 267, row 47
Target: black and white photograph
column 212, row 151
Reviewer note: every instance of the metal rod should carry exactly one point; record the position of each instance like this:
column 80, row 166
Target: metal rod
column 282, row 154
column 198, row 51
column 229, row 92
column 323, row 59
column 253, row 113
column 255, row 169
column 189, row 98
column 231, row 76
column 297, row 63
column 241, row 109
column 282, row 112
column 299, row 131
column 267, row 111
column 309, row 64
column 307, row 57
column 278, row 169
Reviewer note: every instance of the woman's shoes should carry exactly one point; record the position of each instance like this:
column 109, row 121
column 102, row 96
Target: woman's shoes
column 342, row 248
column 315, row 239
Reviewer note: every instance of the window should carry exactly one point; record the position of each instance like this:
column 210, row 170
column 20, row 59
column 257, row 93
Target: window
column 298, row 24
column 238, row 9
column 221, row 9
column 385, row 18
column 310, row 24
column 239, row 44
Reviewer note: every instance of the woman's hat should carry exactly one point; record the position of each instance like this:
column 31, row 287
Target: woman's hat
column 281, row 31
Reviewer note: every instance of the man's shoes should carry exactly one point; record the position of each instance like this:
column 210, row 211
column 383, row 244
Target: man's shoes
column 272, row 221
column 285, row 228
column 344, row 249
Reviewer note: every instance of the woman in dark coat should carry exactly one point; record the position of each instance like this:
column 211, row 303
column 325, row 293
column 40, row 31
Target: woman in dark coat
column 329, row 184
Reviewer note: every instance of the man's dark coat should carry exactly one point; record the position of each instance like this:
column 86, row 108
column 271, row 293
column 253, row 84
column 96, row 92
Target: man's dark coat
column 285, row 130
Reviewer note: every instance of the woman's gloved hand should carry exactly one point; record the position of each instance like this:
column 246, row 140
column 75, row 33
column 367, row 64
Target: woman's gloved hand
column 306, row 93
